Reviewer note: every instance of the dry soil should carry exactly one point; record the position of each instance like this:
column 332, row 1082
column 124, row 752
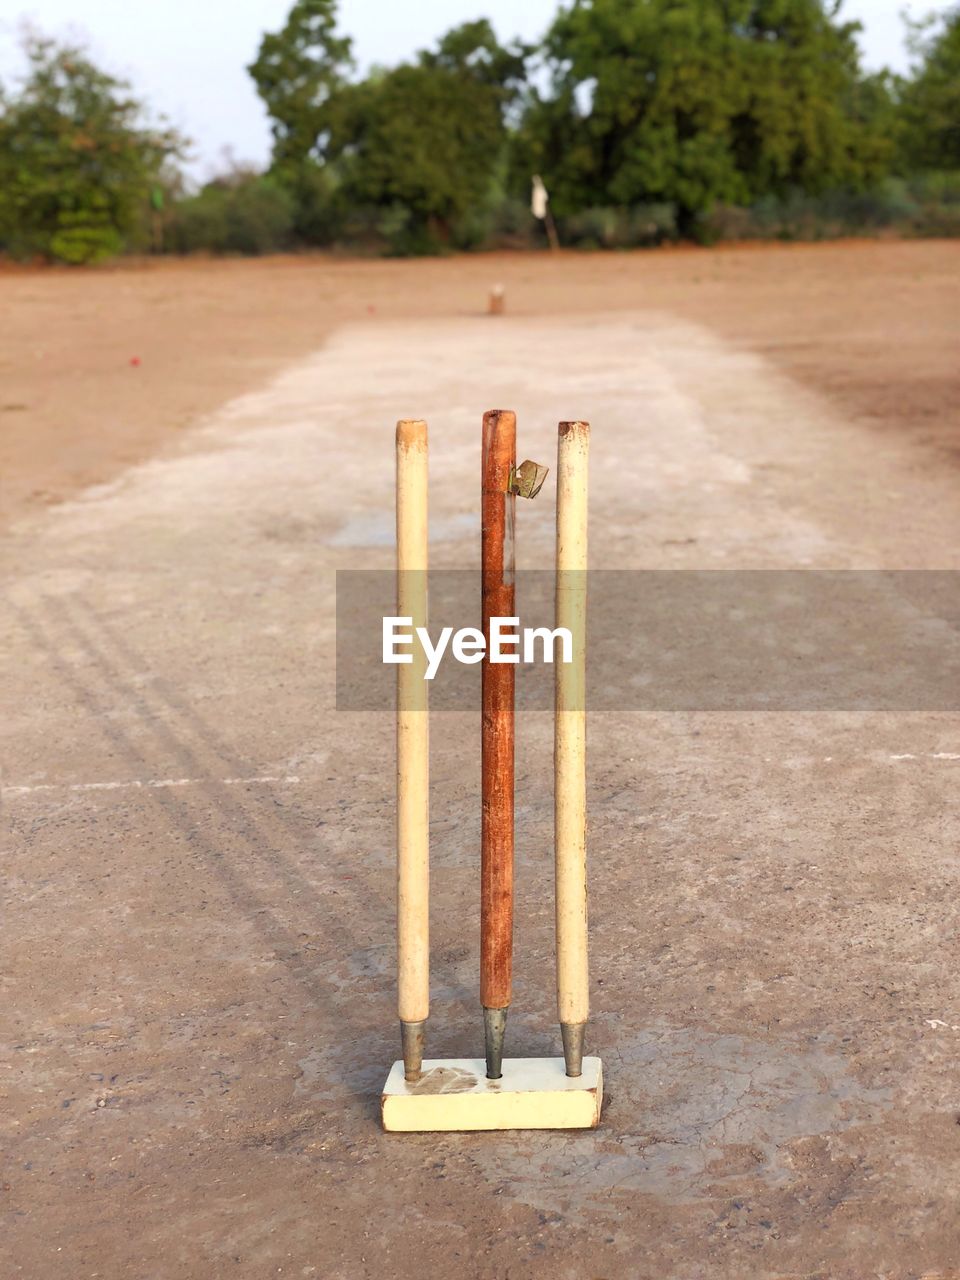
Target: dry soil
column 198, row 1006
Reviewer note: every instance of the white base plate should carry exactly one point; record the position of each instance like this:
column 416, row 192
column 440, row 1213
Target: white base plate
column 455, row 1094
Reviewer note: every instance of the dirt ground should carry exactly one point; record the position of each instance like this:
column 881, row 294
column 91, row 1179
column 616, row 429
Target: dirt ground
column 197, row 954
column 872, row 324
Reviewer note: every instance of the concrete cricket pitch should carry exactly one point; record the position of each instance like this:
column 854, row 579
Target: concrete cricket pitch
column 198, row 942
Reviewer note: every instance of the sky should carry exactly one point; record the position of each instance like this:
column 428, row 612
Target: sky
column 187, row 57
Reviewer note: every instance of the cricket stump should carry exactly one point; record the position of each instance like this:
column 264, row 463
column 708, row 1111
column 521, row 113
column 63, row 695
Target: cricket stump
column 570, row 742
column 498, row 593
column 413, row 759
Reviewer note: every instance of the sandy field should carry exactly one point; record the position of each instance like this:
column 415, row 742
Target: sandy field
column 873, row 325
column 197, row 955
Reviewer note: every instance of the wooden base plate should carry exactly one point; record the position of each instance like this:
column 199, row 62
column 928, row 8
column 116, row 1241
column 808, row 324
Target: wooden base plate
column 455, row 1094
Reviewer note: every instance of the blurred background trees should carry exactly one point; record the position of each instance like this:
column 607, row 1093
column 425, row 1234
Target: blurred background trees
column 240, row 211
column 648, row 120
column 931, row 97
column 80, row 165
column 301, row 73
column 698, row 104
column 417, row 148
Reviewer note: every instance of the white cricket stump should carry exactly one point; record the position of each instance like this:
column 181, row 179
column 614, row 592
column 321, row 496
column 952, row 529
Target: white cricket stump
column 454, row 1095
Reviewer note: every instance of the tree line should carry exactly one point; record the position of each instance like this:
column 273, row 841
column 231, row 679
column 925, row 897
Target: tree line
column 647, row 119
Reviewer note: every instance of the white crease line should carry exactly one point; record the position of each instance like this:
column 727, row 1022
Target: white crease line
column 929, row 755
column 286, row 780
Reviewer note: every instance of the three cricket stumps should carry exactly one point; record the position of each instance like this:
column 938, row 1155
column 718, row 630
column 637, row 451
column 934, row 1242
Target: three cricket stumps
column 494, row 1092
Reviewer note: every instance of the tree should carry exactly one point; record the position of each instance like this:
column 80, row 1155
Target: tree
column 239, row 211
column 472, row 49
column 931, row 98
column 300, row 73
column 694, row 102
column 414, row 147
column 77, row 162
column 423, row 141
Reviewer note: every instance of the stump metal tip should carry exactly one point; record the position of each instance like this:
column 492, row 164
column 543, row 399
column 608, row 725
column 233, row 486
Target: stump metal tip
column 494, row 1027
column 573, row 1036
column 413, row 1037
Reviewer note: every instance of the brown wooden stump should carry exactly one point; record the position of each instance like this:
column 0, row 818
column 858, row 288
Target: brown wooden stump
column 497, row 750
